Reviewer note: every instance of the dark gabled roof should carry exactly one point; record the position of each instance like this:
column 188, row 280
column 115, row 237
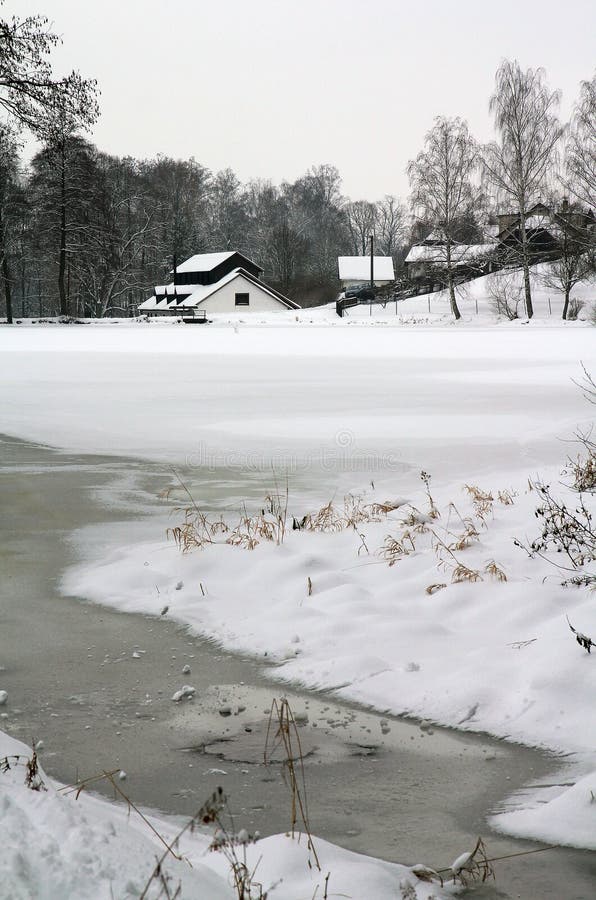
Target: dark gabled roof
column 207, row 262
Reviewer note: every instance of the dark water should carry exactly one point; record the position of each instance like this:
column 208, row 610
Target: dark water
column 375, row 784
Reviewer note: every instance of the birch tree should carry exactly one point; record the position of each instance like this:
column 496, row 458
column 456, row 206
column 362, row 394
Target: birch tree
column 581, row 147
column 443, row 191
column 519, row 162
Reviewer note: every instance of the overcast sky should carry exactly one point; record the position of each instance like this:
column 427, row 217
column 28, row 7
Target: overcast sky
column 270, row 87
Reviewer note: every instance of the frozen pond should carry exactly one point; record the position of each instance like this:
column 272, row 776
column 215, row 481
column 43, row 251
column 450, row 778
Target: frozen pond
column 96, row 686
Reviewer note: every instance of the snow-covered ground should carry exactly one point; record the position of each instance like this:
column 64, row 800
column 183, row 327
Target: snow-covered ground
column 343, row 407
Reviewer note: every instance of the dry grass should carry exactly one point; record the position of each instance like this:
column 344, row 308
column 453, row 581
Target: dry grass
column 353, row 512
column 433, row 512
column 418, row 522
column 482, row 501
column 394, row 549
column 466, row 538
column 495, row 571
column 474, row 867
column 583, row 468
column 282, row 734
column 462, row 573
column 214, row 812
column 434, row 588
column 33, row 779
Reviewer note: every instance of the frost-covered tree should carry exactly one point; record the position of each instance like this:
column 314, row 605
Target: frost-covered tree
column 442, row 184
column 519, row 163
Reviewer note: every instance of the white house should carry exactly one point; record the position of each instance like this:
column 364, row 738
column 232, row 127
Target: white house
column 215, row 283
column 356, row 270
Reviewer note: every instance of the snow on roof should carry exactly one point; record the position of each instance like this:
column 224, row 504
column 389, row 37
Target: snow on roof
column 206, row 262
column 203, row 262
column 437, row 253
column 437, row 236
column 357, row 268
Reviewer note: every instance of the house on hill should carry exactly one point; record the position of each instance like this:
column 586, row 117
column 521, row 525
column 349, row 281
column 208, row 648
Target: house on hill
column 427, row 259
column 215, row 283
column 355, row 270
column 547, row 230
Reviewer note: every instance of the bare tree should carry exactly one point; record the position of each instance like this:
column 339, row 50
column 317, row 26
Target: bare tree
column 442, row 186
column 29, row 92
column 581, row 147
column 576, row 260
column 61, row 183
column 391, row 225
column 361, row 217
column 520, row 161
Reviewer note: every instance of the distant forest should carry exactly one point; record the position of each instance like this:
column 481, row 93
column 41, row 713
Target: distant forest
column 84, row 233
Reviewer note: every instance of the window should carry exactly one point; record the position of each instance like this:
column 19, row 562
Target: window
column 242, row 299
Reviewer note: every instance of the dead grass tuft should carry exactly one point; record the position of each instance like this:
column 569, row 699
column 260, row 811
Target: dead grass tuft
column 495, row 571
column 462, row 573
column 394, row 549
column 282, row 733
column 481, row 500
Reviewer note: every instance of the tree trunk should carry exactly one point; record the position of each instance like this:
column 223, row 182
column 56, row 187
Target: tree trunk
column 566, row 304
column 526, row 264
column 7, row 294
column 62, row 255
column 452, row 300
column 5, row 274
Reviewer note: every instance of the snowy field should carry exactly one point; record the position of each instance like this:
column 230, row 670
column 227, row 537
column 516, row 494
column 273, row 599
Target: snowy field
column 342, row 407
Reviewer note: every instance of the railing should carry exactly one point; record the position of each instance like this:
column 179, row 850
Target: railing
column 196, row 317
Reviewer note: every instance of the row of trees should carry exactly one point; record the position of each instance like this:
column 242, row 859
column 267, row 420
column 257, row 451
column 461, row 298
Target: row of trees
column 83, row 232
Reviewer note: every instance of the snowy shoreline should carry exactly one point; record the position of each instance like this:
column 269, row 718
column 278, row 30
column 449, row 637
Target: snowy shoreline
column 487, row 655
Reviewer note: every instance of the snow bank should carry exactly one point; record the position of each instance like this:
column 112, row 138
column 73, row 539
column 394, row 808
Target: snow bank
column 568, row 819
column 334, row 614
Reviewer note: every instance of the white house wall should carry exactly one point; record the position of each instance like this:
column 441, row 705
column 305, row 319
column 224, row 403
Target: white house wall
column 224, row 300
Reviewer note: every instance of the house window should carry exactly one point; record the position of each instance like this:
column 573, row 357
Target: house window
column 242, row 299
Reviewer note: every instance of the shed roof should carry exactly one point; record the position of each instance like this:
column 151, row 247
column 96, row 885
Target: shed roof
column 357, row 268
